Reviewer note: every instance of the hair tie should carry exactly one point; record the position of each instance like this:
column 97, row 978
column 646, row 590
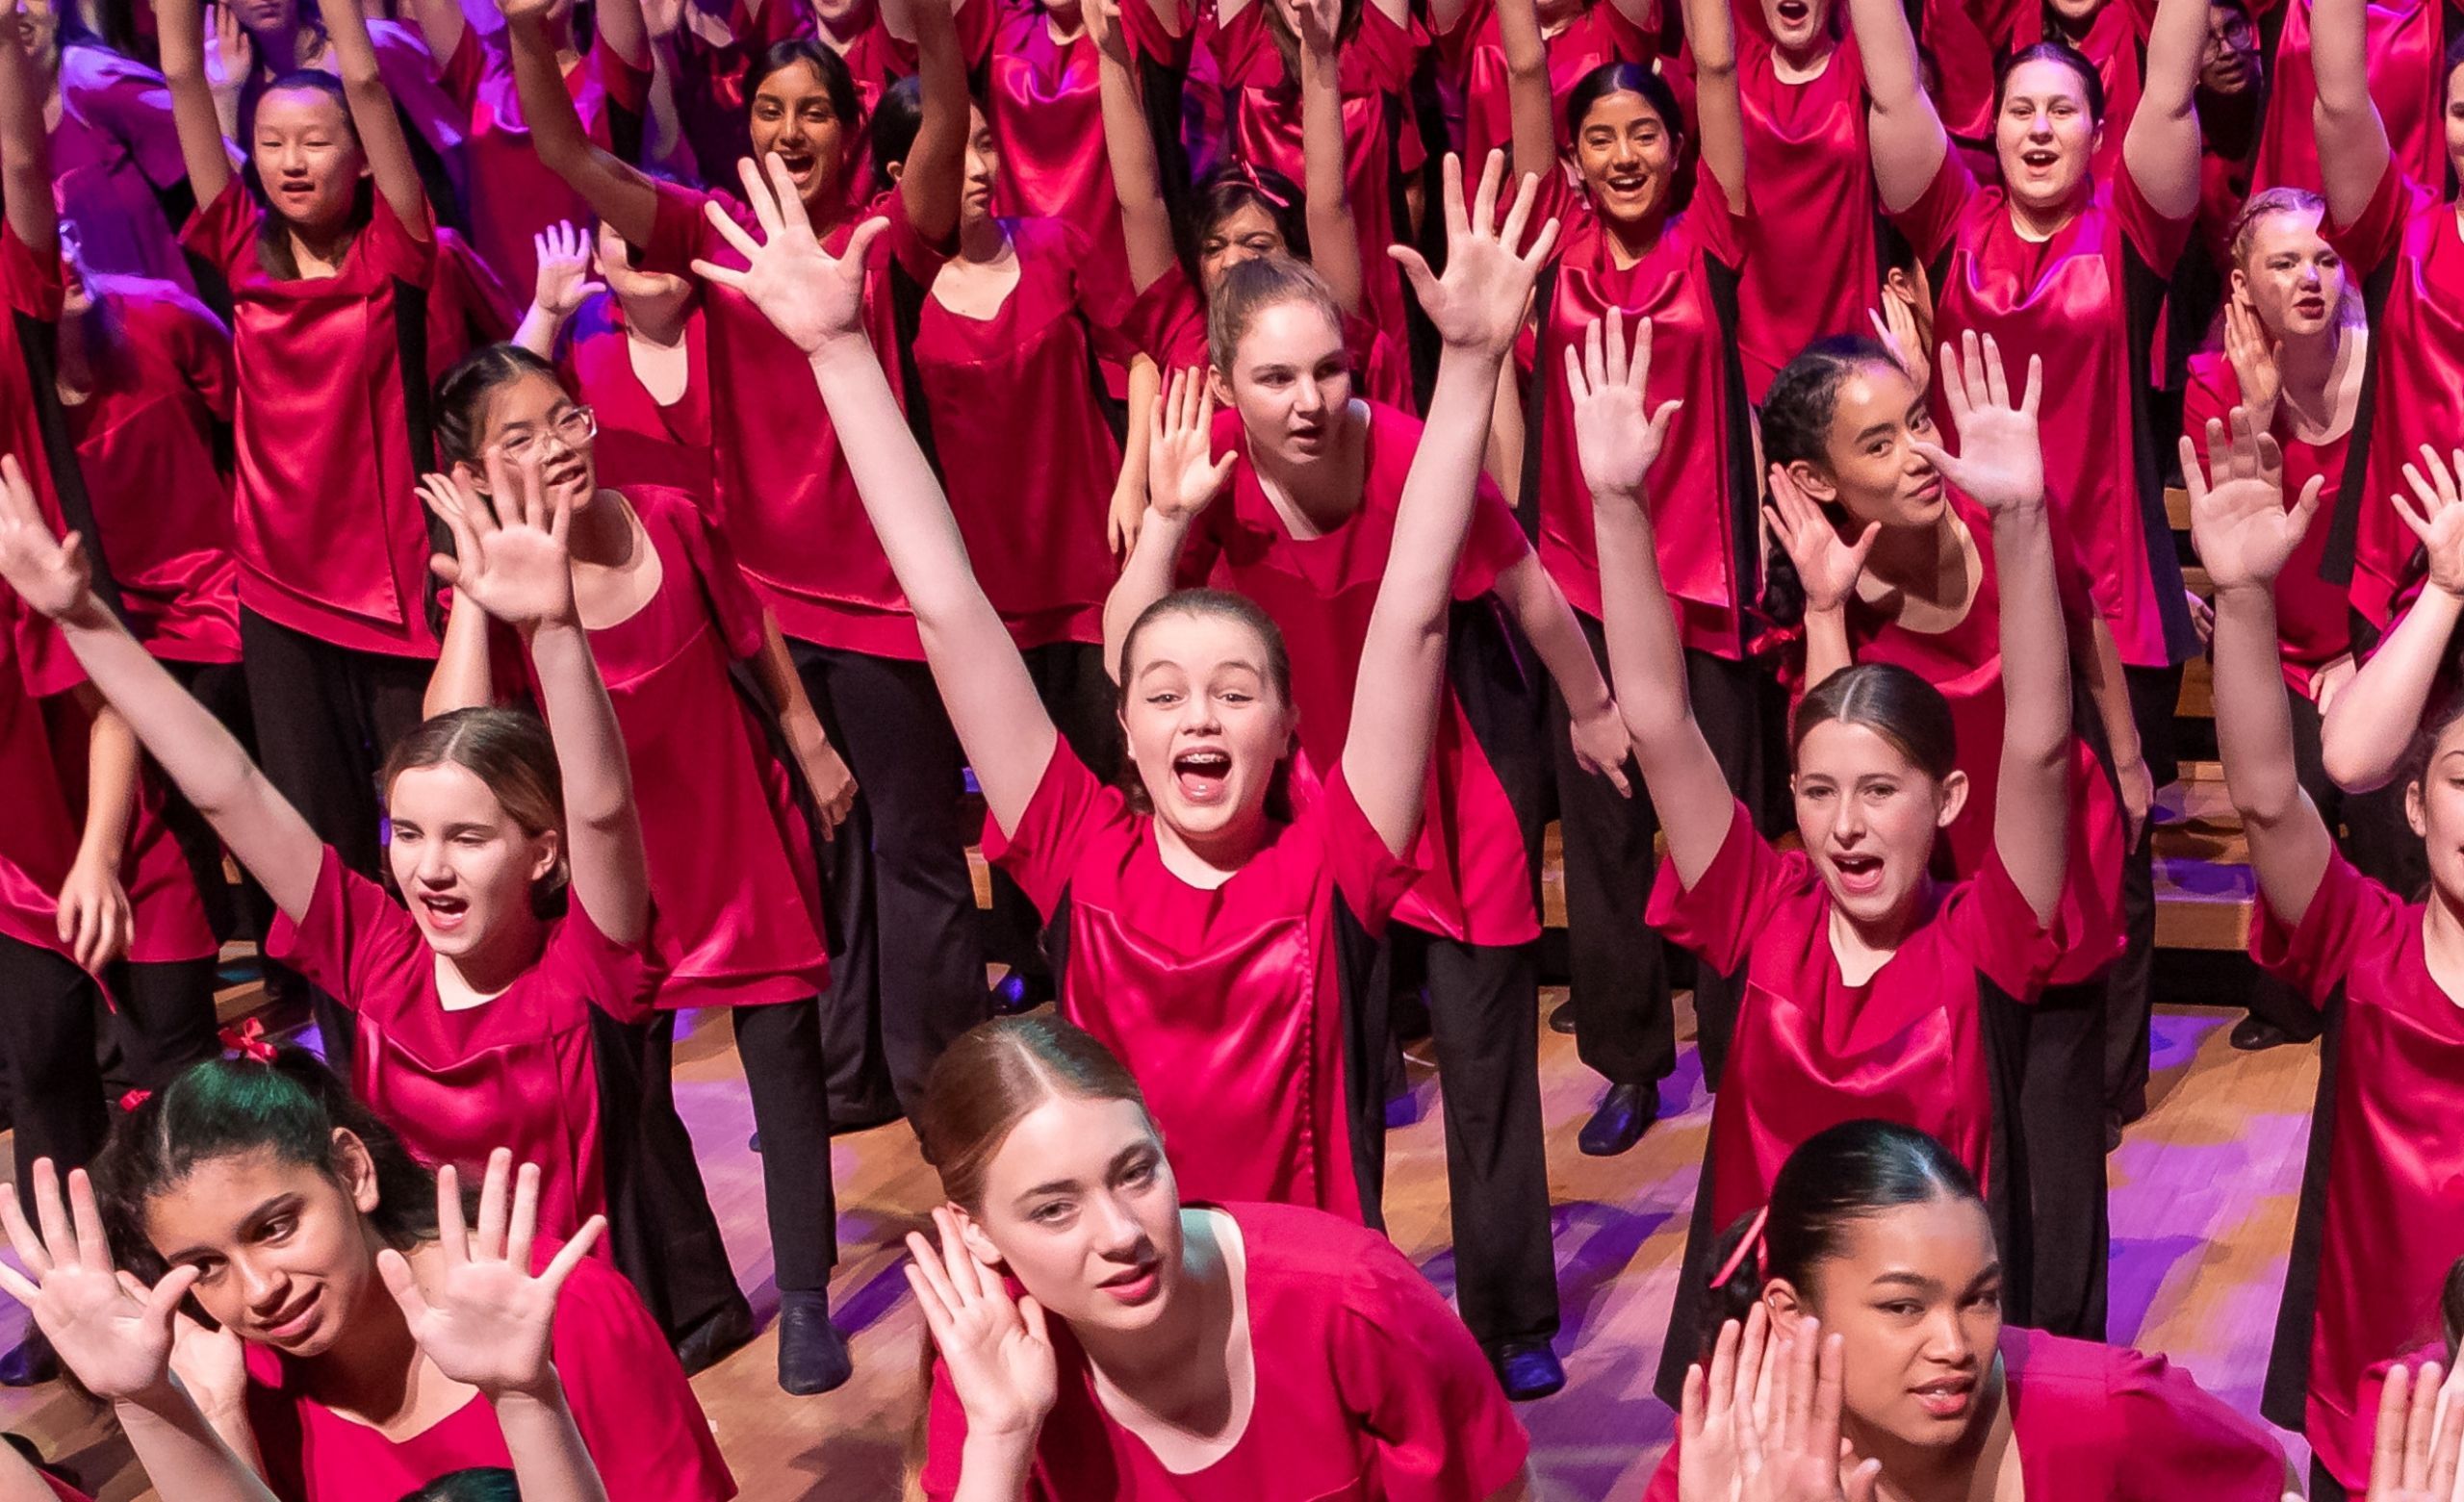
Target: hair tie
column 1248, row 175
column 133, row 1099
column 1751, row 1242
column 248, row 1041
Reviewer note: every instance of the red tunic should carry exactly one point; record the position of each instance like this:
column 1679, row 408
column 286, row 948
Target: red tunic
column 636, row 1413
column 791, row 508
column 1042, row 100
column 1702, row 515
column 736, row 914
column 2395, row 1186
column 515, row 1071
column 37, row 837
column 513, row 195
column 166, row 917
column 332, row 541
column 112, row 150
column 2101, row 1423
column 1813, row 1051
column 1228, row 1004
column 2086, row 302
column 2407, row 244
column 1028, row 482
column 2313, row 620
column 642, row 441
column 1368, row 1386
column 1475, row 54
column 1476, row 882
column 2405, row 81
column 1812, row 269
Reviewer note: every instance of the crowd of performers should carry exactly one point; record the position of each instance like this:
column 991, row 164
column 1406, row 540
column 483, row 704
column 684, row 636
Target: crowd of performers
column 1252, row 466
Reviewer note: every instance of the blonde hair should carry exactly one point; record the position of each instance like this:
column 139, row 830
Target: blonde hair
column 509, row 752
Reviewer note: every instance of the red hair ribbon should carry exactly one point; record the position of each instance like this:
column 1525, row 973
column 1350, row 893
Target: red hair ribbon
column 1751, row 1242
column 133, row 1099
column 248, row 1041
column 1248, row 175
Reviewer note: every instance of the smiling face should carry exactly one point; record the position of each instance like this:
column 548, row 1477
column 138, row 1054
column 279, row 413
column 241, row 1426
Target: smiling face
column 1079, row 1205
column 1627, row 157
column 793, row 116
column 283, row 1250
column 1291, row 381
column 2045, row 135
column 1869, row 815
column 1796, row 26
column 465, row 867
column 308, row 159
column 530, row 418
column 1871, row 468
column 1206, row 723
column 2292, row 278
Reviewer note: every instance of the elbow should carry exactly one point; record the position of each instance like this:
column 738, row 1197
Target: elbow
column 2351, row 768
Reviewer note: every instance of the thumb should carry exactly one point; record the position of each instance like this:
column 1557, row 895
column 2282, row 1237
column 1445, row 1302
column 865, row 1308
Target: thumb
column 2307, row 507
column 1031, row 1314
column 162, row 1302
column 1939, row 457
column 1221, row 474
column 859, row 244
column 1866, row 544
column 1415, row 266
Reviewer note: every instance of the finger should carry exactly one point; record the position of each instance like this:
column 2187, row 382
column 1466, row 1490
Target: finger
column 18, row 1286
column 735, row 235
column 928, row 1268
column 1594, row 351
column 2036, row 385
column 524, row 1223
column 2220, row 452
column 1661, row 419
column 859, row 241
column 1031, row 1314
column 447, row 570
column 956, row 1261
column 716, row 274
column 452, row 1233
column 395, row 1269
column 1954, row 387
column 1517, row 214
column 1618, row 780
column 1940, row 458
column 1722, row 1392
column 2447, row 1456
column 1780, row 527
column 1864, row 1483
column 22, row 1238
column 2421, row 1420
column 1638, row 359
column 570, row 1255
column 2193, row 480
column 932, row 1300
column 560, row 518
column 1997, row 380
column 1576, row 388
column 51, row 1213
column 1414, row 267
column 759, row 196
column 1829, row 1397
column 1621, row 359
column 1752, row 1345
column 1804, row 1361
column 1866, row 544
column 163, row 1300
column 1543, row 242
column 1689, row 1406
column 493, row 1206
column 93, row 1244
column 2307, row 507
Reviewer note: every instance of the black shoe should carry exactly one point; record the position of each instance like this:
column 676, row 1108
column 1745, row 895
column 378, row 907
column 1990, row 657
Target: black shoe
column 1624, row 1114
column 1528, row 1369
column 716, row 1338
column 813, row 1355
column 2255, row 1034
column 1020, row 992
column 1561, row 1018
column 31, row 1365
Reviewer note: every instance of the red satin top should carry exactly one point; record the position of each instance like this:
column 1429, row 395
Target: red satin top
column 1813, row 1051
column 2102, row 1423
column 515, row 1071
column 641, row 440
column 38, row 836
column 2085, row 302
column 1701, row 519
column 636, row 1413
column 1029, row 481
column 112, row 149
column 738, row 924
column 791, row 508
column 2410, row 233
column 1226, row 1005
column 1475, row 54
column 1812, row 269
column 1368, row 1386
column 2405, row 41
column 2395, row 1208
column 1475, row 881
column 166, row 917
column 332, row 541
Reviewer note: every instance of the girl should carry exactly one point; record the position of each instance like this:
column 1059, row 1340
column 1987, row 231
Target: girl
column 1866, row 985
column 1163, row 1348
column 2321, row 924
column 322, row 1249
column 481, row 1317
column 250, row 45
column 1204, row 936
column 904, row 904
column 669, row 619
column 1875, row 1268
column 115, row 151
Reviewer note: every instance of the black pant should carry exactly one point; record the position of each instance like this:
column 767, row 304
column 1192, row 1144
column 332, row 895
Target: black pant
column 910, row 976
column 222, row 688
column 660, row 1228
column 2155, row 698
column 1624, row 1027
column 1483, row 1004
column 163, row 1023
column 2060, row 1131
column 325, row 716
column 1085, row 709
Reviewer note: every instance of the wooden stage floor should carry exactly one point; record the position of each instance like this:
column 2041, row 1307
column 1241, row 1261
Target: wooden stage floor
column 2203, row 1194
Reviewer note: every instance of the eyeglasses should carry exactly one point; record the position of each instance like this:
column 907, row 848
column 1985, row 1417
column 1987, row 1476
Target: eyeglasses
column 572, row 427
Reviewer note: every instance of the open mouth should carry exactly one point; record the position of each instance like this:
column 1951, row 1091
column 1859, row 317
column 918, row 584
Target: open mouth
column 1858, row 874
column 1204, row 774
column 445, row 914
column 2311, row 307
column 2039, row 159
column 1948, row 1398
column 799, row 163
column 1794, row 12
column 1134, row 1285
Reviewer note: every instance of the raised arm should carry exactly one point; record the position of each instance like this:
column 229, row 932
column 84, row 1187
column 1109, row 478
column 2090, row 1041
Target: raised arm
column 2160, row 149
column 1183, row 479
column 936, row 172
column 1532, row 111
column 1719, row 110
column 2244, row 535
column 1334, row 238
column 2371, row 723
column 2353, row 153
column 1477, row 309
column 1539, row 608
column 1904, row 132
column 441, row 24
column 617, row 194
column 463, row 678
column 265, row 833
column 624, row 32
column 373, row 116
column 2001, row 466
column 181, row 24
column 1138, row 178
column 25, row 153
column 817, row 301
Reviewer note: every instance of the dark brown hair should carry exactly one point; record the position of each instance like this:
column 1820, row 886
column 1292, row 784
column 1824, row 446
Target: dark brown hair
column 1222, row 606
column 460, row 409
column 1889, row 701
column 1251, row 286
column 511, row 752
column 988, row 1080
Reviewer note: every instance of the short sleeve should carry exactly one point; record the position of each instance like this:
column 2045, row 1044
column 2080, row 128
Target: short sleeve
column 2176, row 1439
column 200, row 348
column 1370, row 878
column 354, row 942
column 620, row 979
column 908, row 250
column 636, row 1411
column 30, row 283
column 1439, row 1428
column 1713, row 227
column 1494, row 544
column 131, row 102
column 1149, row 42
column 2368, row 242
column 1168, row 321
column 2157, row 238
column 1929, row 222
column 1718, row 916
column 402, row 252
column 223, row 232
column 1992, row 926
column 1069, row 808
column 680, row 228
column 2349, row 918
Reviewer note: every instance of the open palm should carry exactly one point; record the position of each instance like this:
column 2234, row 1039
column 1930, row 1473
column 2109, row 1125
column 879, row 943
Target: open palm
column 1183, row 476
column 2001, row 460
column 809, row 295
column 1479, row 303
column 50, row 574
column 509, row 553
column 483, row 1318
column 2439, row 520
column 995, row 1349
column 1827, row 565
column 1617, row 439
column 2239, row 524
column 108, row 1328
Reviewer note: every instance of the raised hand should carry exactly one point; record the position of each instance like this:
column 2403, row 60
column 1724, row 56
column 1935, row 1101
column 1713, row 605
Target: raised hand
column 230, row 53
column 509, row 547
column 1716, row 1407
column 93, row 917
column 485, row 1318
column 1183, row 476
column 2415, row 1456
column 212, row 1365
column 1479, row 303
column 49, row 573
column 1895, row 325
column 1790, row 1444
column 113, row 1331
column 809, row 295
column 2440, row 522
column 1314, row 24
column 2001, row 461
column 564, row 281
column 2239, row 524
column 525, row 10
column 1616, row 443
column 1102, row 20
column 2256, row 360
column 995, row 1349
column 1827, row 565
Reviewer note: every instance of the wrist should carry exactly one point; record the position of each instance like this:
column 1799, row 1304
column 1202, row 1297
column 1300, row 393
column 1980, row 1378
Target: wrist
column 163, row 1399
column 543, row 1394
column 1004, row 1450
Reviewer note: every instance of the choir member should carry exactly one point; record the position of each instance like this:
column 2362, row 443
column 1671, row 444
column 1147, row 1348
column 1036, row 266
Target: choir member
column 115, row 154
column 250, row 46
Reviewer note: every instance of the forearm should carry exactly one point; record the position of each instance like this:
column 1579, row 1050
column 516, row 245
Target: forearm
column 1719, row 110
column 774, row 671
column 2254, row 719
column 374, row 118
column 1904, row 133
column 2095, row 651
column 538, row 329
column 1138, row 179
column 1145, row 578
column 111, row 788
column 2035, row 649
column 2353, row 152
column 1548, row 624
column 25, row 154
column 1688, row 790
column 1334, row 240
column 2374, row 720
column 550, row 1463
column 189, row 1457
column 602, row 829
column 463, row 678
column 441, row 24
column 936, row 172
column 2162, row 149
column 995, row 1469
column 194, row 117
column 1530, row 107
column 1827, row 648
